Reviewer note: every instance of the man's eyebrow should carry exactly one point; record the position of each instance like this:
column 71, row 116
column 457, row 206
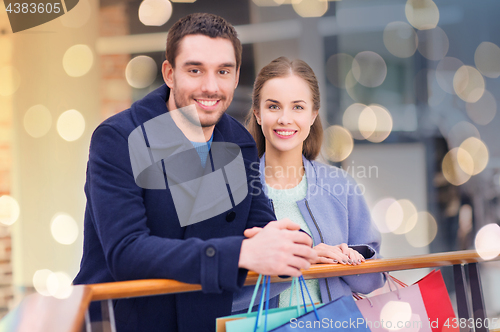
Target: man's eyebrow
column 228, row 65
column 192, row 63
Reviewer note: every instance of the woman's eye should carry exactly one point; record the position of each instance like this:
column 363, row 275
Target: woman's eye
column 298, row 107
column 273, row 107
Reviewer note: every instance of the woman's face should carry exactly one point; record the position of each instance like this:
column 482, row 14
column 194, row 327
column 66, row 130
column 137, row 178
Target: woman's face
column 286, row 113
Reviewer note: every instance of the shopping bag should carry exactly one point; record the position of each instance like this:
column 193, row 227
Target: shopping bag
column 275, row 317
column 402, row 308
column 423, row 306
column 437, row 302
column 340, row 314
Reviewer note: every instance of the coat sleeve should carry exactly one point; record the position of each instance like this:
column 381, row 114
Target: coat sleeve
column 363, row 237
column 119, row 218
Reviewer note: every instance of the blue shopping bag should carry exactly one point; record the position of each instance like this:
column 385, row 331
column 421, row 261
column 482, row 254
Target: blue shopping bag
column 341, row 314
column 258, row 322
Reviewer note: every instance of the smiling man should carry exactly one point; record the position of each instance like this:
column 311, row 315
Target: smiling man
column 134, row 231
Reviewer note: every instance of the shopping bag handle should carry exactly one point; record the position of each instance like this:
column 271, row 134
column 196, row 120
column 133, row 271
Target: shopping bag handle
column 389, row 278
column 266, row 290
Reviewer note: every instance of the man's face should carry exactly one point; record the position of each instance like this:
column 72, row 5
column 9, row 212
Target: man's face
column 205, row 75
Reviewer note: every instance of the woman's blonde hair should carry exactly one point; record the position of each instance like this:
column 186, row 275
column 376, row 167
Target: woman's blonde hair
column 283, row 67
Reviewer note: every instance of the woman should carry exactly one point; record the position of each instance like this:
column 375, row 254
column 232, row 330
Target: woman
column 324, row 200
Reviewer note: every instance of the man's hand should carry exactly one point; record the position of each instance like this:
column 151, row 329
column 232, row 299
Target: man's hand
column 341, row 254
column 277, row 249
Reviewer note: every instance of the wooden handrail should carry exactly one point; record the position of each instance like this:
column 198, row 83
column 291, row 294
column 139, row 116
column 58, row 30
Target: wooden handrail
column 51, row 310
column 147, row 287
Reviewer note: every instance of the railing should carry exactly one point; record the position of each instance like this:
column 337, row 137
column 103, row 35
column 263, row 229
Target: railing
column 125, row 289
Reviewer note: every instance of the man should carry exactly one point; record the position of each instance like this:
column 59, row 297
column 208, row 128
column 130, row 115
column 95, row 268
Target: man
column 135, row 233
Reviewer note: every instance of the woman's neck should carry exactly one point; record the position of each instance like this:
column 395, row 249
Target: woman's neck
column 283, row 169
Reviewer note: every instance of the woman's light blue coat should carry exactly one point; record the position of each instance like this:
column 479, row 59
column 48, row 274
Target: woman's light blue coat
column 336, row 212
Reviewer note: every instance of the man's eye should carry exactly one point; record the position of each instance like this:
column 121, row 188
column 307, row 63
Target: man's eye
column 195, row 71
column 224, row 72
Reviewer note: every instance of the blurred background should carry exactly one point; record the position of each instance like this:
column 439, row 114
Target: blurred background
column 409, row 96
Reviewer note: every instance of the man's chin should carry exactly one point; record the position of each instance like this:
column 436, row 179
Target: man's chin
column 211, row 121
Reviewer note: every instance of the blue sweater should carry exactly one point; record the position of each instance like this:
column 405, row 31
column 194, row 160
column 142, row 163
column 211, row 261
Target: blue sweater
column 134, row 233
column 336, row 213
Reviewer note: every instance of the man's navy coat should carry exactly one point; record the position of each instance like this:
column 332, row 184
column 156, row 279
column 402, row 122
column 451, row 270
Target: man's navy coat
column 133, row 233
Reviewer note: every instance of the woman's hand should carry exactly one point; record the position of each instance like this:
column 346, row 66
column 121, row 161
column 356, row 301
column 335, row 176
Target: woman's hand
column 340, row 253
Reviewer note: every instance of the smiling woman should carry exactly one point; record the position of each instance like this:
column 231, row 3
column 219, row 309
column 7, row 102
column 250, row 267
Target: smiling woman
column 285, row 123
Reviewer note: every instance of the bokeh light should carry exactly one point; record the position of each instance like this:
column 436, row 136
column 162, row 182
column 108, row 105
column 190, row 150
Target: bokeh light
column 393, row 312
column 433, row 44
column 422, row 14
column 445, row 71
column 468, row 84
column 487, row 59
column 487, row 241
column 78, row 16
column 155, row 12
column 78, row 60
column 310, row 8
column 409, row 210
column 338, row 143
column 352, row 118
column 71, row 125
column 9, row 210
column 484, row 110
column 369, row 69
column 386, row 215
column 367, row 122
column 400, row 39
column 460, row 132
column 453, row 166
column 465, row 215
column 10, row 80
column 383, row 124
column 350, row 83
column 337, row 68
column 424, row 231
column 37, row 121
column 40, row 281
column 477, row 150
column 64, row 228
column 141, row 72
column 59, row 285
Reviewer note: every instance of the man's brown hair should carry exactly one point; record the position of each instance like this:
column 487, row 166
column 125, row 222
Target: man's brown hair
column 209, row 25
column 283, row 67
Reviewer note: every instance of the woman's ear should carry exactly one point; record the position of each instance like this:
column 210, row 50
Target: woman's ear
column 314, row 116
column 257, row 116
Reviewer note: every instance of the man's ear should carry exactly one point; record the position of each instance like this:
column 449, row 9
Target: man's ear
column 168, row 73
column 237, row 78
column 257, row 116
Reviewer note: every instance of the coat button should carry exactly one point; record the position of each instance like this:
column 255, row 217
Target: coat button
column 230, row 216
column 210, row 252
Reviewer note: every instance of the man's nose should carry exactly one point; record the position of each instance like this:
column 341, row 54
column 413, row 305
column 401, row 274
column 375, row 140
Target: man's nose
column 210, row 84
